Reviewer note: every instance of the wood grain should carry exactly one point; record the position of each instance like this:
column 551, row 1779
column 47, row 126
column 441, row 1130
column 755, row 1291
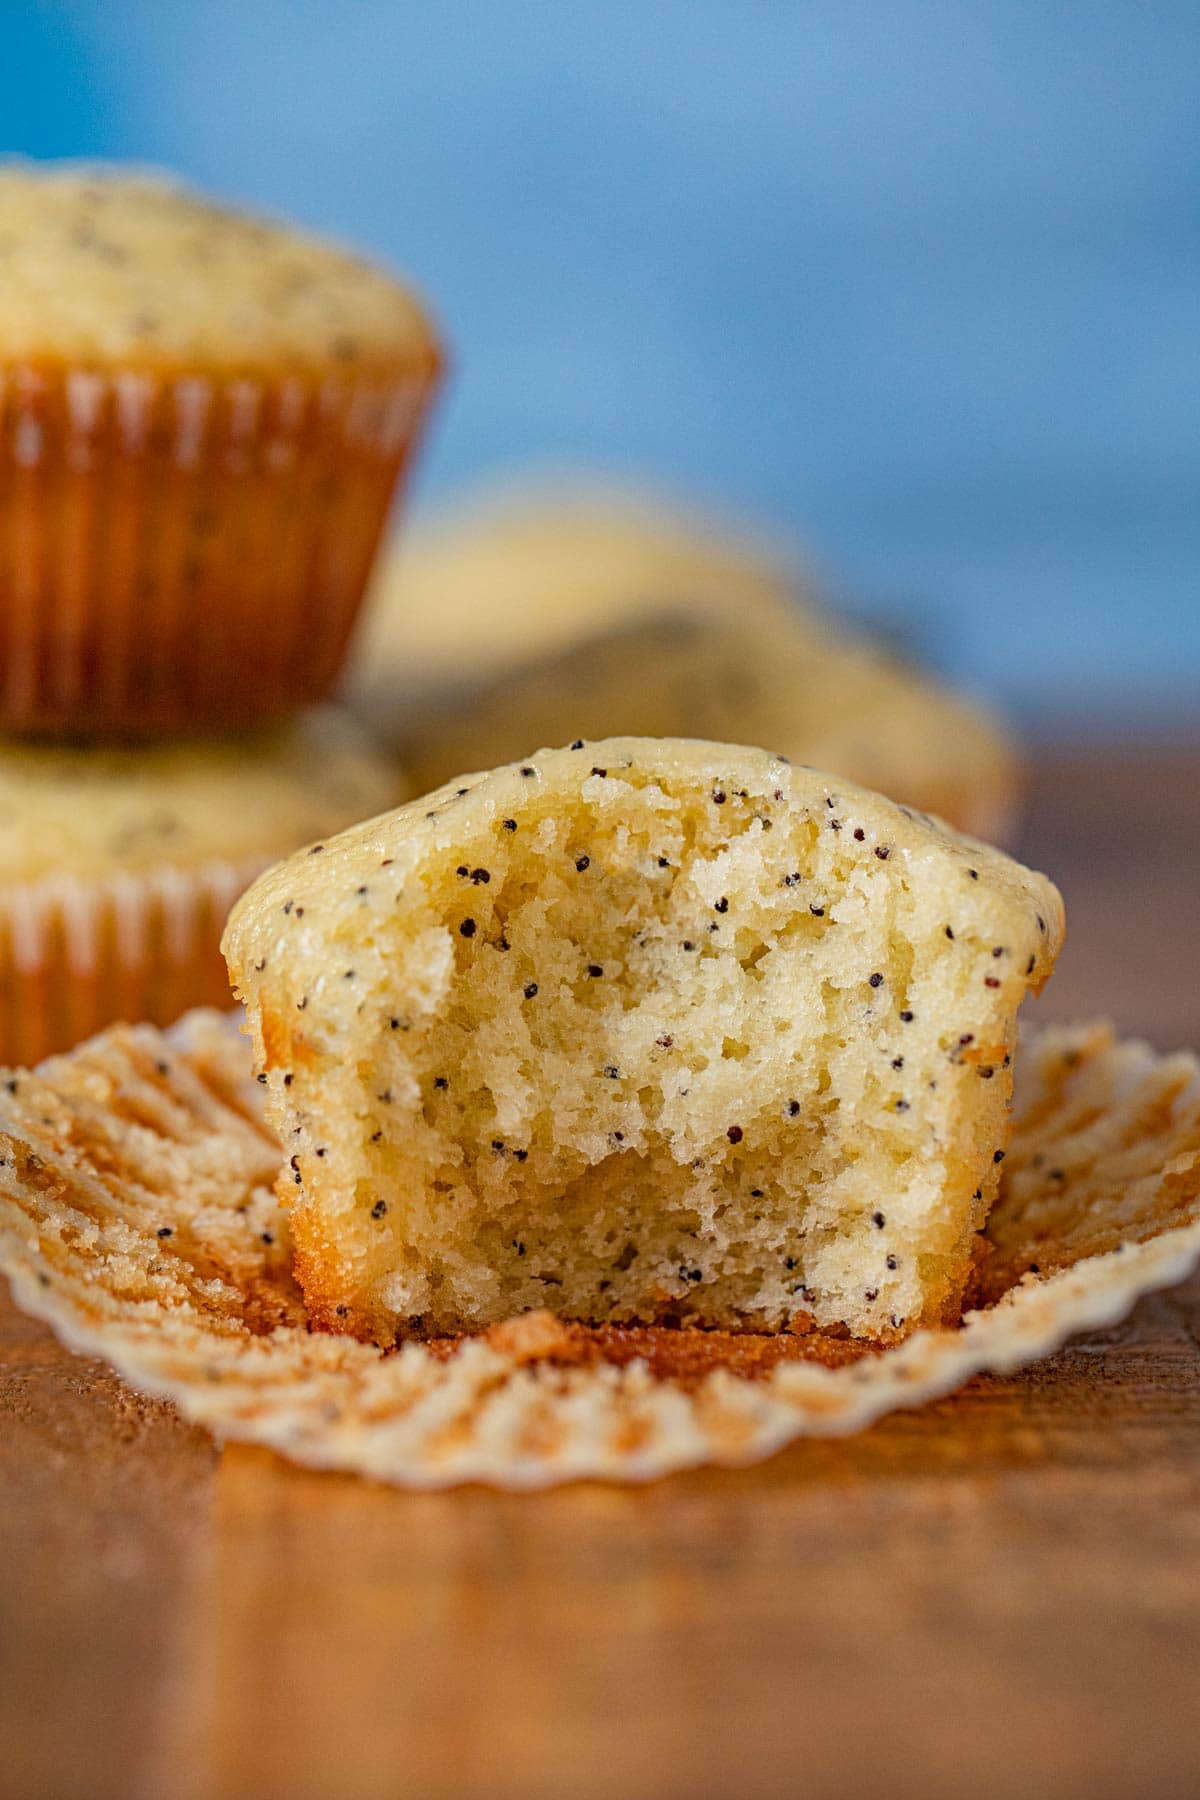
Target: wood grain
column 999, row 1593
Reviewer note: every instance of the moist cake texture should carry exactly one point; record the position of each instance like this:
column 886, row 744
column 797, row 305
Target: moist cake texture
column 640, row 1030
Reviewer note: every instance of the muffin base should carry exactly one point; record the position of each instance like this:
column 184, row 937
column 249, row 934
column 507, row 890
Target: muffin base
column 181, row 551
column 76, row 956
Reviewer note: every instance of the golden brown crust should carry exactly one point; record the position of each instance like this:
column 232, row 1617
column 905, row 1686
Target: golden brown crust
column 685, row 1355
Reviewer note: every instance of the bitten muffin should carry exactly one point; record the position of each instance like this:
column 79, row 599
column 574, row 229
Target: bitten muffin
column 203, row 418
column 586, row 617
column 640, row 1030
column 118, row 867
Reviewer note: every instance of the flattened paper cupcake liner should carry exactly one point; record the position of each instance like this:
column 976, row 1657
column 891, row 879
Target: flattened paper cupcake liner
column 139, row 1218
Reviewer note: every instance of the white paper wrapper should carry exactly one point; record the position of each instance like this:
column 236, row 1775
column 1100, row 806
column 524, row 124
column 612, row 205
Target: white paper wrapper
column 76, row 954
column 137, row 1217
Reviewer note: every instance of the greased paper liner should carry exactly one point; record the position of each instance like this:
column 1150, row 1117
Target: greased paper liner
column 78, row 952
column 180, row 549
column 137, row 1217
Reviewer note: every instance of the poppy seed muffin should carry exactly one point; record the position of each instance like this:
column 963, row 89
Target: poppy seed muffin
column 204, row 417
column 640, row 1030
column 507, row 579
column 118, row 866
column 592, row 615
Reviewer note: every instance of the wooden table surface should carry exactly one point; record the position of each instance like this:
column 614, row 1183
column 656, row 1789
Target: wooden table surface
column 999, row 1594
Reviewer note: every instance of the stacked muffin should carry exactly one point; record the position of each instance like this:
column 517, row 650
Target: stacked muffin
column 591, row 613
column 203, row 420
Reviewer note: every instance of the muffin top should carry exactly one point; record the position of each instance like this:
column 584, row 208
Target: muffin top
column 103, row 267
column 591, row 611
column 526, row 574
column 87, row 811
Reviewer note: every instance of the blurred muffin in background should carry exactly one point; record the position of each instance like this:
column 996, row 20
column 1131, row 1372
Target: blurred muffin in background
column 504, row 580
column 118, row 866
column 516, row 626
column 203, row 418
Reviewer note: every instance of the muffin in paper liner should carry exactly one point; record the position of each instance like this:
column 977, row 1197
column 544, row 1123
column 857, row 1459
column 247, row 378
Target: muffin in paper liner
column 118, row 866
column 203, row 420
column 553, row 1054
column 594, row 613
column 137, row 1217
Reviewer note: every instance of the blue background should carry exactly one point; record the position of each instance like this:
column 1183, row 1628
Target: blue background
column 916, row 282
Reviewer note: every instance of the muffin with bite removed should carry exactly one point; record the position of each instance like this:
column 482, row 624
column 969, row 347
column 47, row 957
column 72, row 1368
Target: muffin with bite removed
column 640, row 1030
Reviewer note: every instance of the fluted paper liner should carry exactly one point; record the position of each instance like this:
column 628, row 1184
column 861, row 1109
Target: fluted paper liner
column 77, row 953
column 180, row 549
column 137, row 1217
